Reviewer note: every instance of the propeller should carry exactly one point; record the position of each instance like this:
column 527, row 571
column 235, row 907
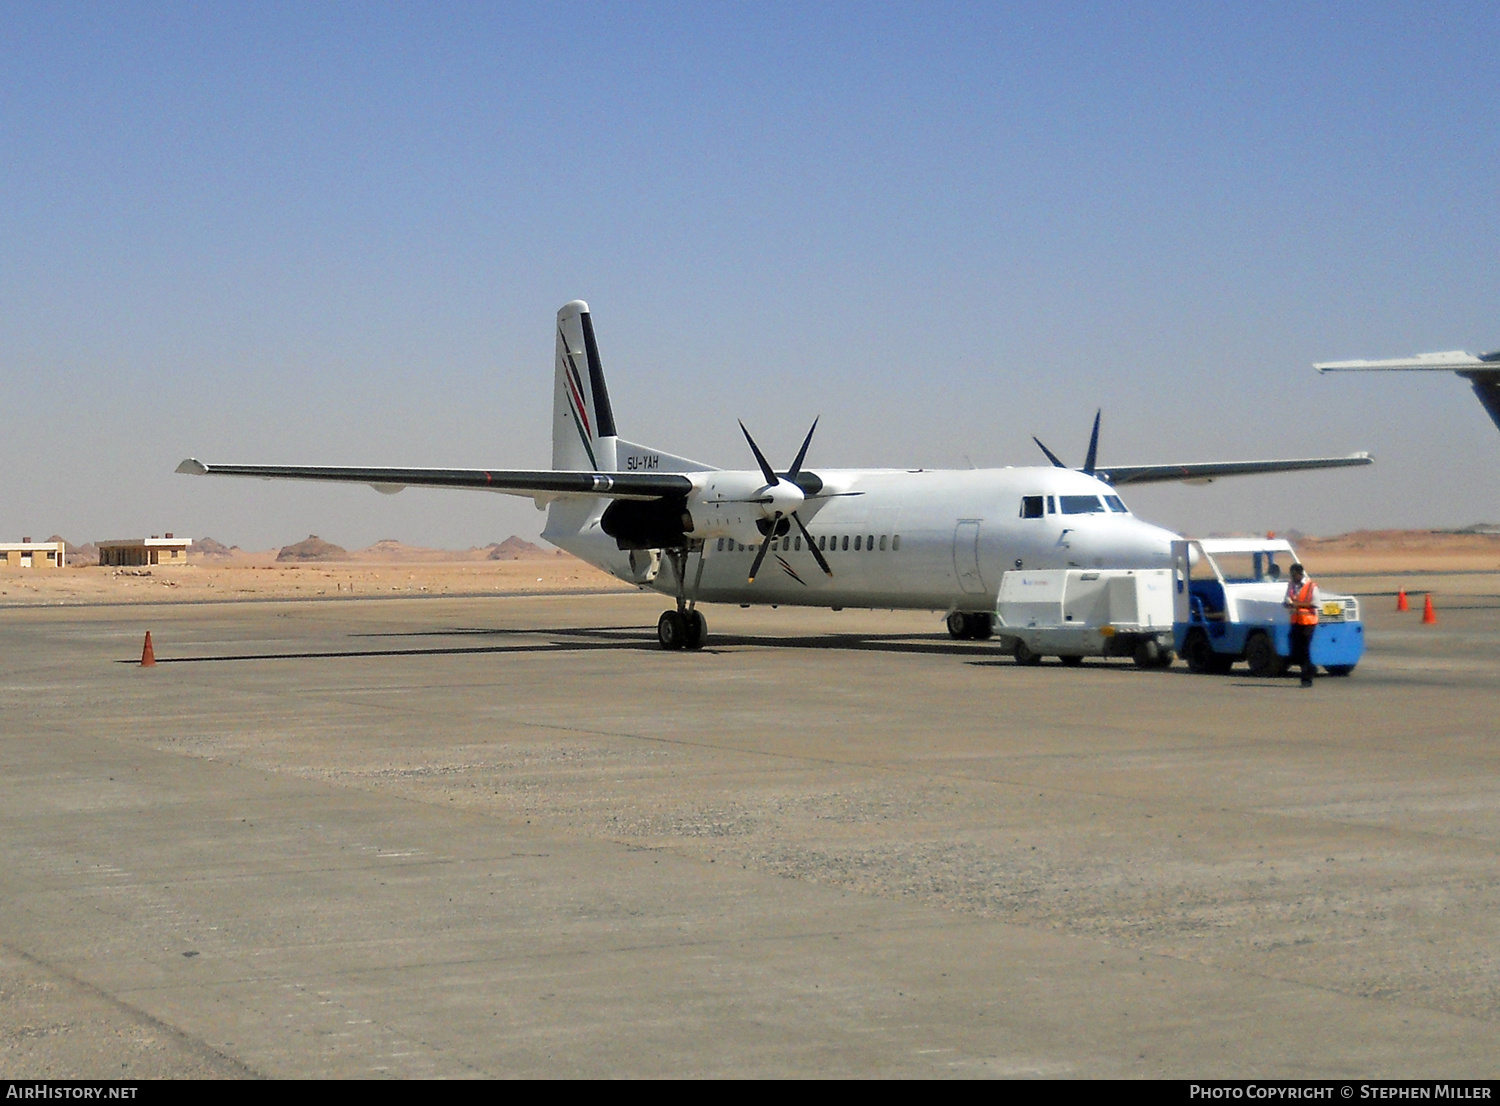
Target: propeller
column 783, row 495
column 1093, row 454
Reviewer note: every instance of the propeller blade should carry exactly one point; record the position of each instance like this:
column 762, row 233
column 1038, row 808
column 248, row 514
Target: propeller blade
column 802, row 453
column 1050, row 455
column 765, row 467
column 1088, row 462
column 761, row 556
column 812, row 546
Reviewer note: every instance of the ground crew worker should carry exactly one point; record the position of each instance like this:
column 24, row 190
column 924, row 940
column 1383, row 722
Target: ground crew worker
column 1299, row 599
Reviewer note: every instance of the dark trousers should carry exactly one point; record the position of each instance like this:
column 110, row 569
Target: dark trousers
column 1302, row 649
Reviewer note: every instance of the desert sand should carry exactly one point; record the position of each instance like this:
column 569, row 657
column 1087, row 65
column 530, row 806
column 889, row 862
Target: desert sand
column 386, row 569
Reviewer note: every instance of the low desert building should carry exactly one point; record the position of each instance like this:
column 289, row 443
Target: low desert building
column 31, row 554
column 135, row 552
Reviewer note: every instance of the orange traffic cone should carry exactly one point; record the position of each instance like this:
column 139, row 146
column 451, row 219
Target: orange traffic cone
column 1401, row 604
column 1428, row 614
column 148, row 655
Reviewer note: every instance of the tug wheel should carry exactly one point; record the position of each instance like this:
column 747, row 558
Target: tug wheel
column 1199, row 654
column 1260, row 656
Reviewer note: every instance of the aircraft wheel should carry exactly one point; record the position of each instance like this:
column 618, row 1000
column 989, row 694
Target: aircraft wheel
column 1199, row 654
column 1071, row 661
column 1167, row 657
column 982, row 626
column 671, row 630
column 1024, row 655
column 958, row 626
column 1260, row 656
column 697, row 630
column 1147, row 654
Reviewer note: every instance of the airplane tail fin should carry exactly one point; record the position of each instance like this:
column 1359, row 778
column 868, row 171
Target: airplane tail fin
column 584, row 438
column 583, row 423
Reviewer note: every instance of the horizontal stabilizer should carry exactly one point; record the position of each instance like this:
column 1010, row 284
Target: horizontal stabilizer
column 592, row 485
column 1204, row 472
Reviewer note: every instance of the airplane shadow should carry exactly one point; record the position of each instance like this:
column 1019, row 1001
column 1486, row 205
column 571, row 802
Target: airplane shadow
column 618, row 638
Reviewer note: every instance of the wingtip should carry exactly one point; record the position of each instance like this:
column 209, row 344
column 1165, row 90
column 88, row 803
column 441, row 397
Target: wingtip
column 191, row 466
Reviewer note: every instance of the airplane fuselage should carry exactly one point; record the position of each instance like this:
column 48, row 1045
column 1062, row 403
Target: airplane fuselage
column 894, row 538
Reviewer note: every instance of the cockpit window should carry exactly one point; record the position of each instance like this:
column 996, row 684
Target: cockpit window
column 1031, row 506
column 1081, row 504
column 1117, row 504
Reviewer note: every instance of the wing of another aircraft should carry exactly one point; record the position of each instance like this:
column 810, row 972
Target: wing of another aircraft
column 1208, row 471
column 1482, row 370
column 1452, row 360
column 537, row 484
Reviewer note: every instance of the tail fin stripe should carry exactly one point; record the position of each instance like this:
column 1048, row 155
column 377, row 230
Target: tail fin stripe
column 603, row 412
column 578, row 408
column 575, row 384
column 582, row 437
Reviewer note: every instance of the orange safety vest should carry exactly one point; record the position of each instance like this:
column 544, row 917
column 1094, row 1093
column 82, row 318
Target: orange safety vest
column 1302, row 616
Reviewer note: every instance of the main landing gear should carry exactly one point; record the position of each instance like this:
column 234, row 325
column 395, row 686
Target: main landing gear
column 684, row 628
column 968, row 626
column 681, row 629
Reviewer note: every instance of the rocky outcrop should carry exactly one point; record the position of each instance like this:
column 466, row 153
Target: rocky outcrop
column 313, row 549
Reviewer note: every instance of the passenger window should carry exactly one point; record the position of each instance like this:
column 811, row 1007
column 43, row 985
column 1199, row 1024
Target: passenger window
column 1051, row 505
column 895, row 543
column 869, row 543
column 797, row 544
column 882, row 543
column 856, row 543
column 721, row 545
column 846, row 543
column 1081, row 505
column 1031, row 506
column 822, row 541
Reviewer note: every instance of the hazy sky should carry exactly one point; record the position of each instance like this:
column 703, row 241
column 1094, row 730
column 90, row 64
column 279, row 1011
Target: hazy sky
column 330, row 233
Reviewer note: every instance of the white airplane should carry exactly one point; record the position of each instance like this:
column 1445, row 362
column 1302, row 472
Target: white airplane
column 889, row 538
column 1480, row 369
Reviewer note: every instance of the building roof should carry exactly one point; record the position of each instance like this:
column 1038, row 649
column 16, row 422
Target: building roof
column 152, row 542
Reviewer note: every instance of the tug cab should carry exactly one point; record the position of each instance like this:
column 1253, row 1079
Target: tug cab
column 1228, row 595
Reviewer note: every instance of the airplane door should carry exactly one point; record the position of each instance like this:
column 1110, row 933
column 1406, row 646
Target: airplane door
column 966, row 557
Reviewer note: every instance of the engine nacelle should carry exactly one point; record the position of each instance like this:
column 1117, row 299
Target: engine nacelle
column 740, row 506
column 648, row 524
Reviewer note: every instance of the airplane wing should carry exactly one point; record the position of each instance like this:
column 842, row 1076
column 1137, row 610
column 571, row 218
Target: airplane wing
column 1206, row 472
column 1482, row 370
column 540, row 484
column 1453, row 360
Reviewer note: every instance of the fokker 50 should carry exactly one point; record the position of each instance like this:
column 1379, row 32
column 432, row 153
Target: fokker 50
column 813, row 536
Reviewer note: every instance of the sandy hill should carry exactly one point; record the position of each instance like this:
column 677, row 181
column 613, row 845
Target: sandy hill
column 514, row 549
column 313, row 549
column 207, row 547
